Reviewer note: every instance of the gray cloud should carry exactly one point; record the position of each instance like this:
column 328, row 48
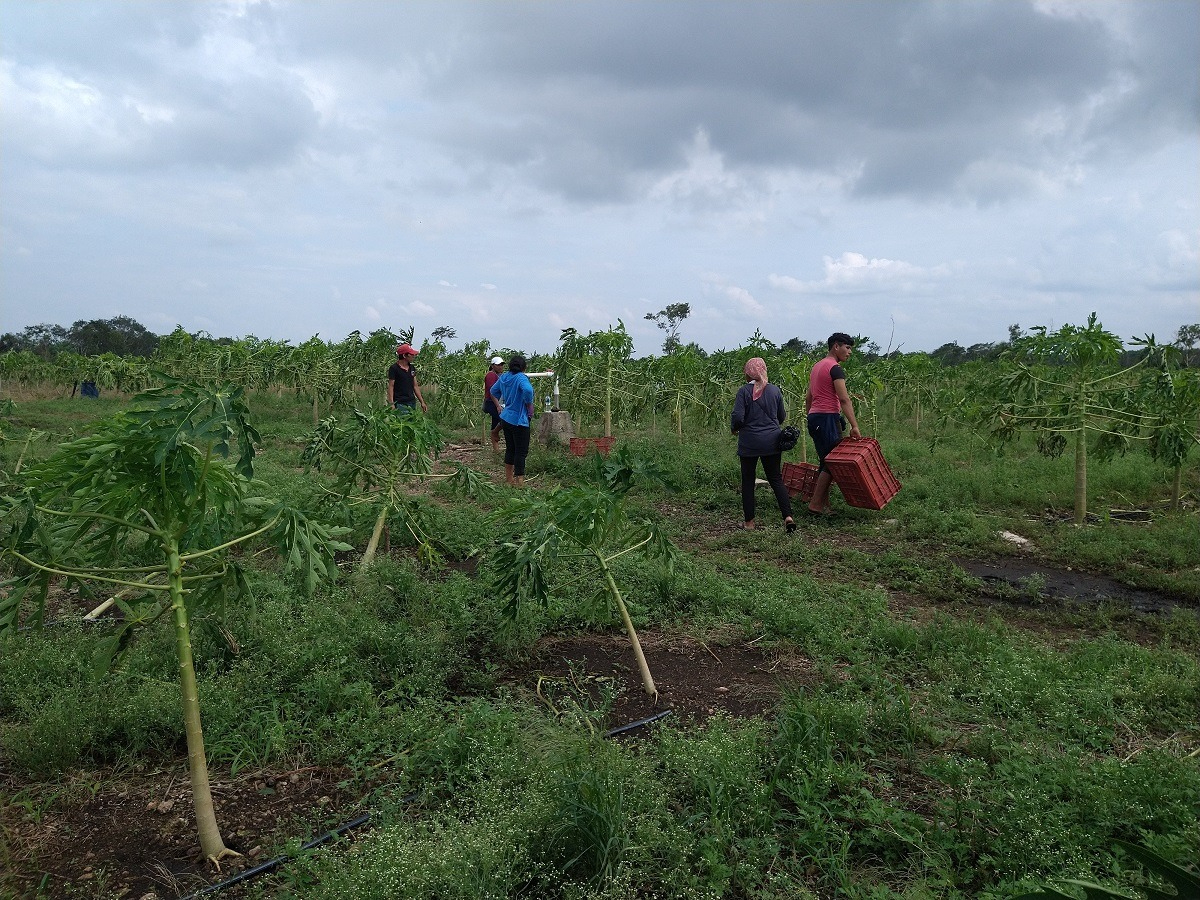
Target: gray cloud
column 592, row 158
column 911, row 94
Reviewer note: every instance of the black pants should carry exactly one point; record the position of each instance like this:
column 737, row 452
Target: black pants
column 516, row 446
column 826, row 432
column 770, row 466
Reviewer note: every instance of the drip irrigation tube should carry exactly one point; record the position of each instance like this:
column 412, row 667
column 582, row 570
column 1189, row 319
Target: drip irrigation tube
column 272, row 864
column 621, row 729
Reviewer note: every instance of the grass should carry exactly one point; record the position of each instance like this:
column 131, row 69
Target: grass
column 941, row 752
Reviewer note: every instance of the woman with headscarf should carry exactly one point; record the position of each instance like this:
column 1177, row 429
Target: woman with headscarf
column 758, row 416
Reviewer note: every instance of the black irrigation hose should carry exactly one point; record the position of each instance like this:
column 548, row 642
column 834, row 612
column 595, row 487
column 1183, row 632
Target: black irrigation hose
column 621, row 729
column 272, row 864
column 275, row 863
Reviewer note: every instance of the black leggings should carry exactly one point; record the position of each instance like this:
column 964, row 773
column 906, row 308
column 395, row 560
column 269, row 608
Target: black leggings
column 516, row 446
column 770, row 466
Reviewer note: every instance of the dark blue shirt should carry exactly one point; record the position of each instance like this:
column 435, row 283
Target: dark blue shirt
column 757, row 422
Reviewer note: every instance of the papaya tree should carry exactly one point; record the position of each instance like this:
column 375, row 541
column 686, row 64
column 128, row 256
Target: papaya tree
column 593, row 366
column 375, row 455
column 1172, row 398
column 1066, row 386
column 581, row 530
column 155, row 501
column 317, row 370
column 672, row 380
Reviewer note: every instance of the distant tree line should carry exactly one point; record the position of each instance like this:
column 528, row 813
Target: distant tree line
column 121, row 336
column 126, row 337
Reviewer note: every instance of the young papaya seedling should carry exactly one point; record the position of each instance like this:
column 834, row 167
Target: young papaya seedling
column 375, row 456
column 584, row 528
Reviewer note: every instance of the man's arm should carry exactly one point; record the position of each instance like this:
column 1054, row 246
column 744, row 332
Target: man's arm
column 847, row 406
column 417, row 394
column 391, row 392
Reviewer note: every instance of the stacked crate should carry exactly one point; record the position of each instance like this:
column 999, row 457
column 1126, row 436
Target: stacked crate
column 861, row 473
column 800, row 479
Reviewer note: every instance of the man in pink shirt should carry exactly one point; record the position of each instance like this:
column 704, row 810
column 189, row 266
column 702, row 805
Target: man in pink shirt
column 825, row 403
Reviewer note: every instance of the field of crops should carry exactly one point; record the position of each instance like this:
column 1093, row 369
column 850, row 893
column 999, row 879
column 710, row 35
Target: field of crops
column 974, row 692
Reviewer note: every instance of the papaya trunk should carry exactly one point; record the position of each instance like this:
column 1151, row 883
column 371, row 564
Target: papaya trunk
column 608, row 392
column 21, row 458
column 206, row 818
column 643, row 668
column 1176, row 486
column 373, row 544
column 1080, row 476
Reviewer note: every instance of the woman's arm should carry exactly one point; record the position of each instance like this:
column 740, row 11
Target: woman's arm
column 738, row 419
column 527, row 395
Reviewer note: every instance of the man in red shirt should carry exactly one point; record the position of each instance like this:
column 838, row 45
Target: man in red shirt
column 403, row 392
column 491, row 404
column 825, row 403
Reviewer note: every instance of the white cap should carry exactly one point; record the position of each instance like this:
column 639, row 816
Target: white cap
column 497, row 360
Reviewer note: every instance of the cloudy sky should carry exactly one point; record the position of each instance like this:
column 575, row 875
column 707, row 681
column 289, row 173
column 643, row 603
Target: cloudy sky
column 917, row 172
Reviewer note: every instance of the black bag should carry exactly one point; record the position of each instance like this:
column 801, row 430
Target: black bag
column 788, row 438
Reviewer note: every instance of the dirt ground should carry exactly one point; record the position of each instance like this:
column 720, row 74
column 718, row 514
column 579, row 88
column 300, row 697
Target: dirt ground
column 130, row 834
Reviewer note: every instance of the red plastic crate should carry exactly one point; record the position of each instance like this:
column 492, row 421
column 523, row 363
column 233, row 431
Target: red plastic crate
column 800, row 479
column 860, row 471
column 602, row 445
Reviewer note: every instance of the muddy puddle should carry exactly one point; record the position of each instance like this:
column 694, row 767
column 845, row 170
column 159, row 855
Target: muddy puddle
column 1026, row 580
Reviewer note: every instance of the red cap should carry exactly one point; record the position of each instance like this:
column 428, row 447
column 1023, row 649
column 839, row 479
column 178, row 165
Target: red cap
column 406, row 350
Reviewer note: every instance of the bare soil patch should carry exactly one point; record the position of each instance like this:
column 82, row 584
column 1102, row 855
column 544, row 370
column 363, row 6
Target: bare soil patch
column 695, row 680
column 124, row 834
column 114, row 834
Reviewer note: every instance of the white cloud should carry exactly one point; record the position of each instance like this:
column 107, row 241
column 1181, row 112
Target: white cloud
column 854, row 272
column 786, row 283
column 743, row 302
column 703, row 182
